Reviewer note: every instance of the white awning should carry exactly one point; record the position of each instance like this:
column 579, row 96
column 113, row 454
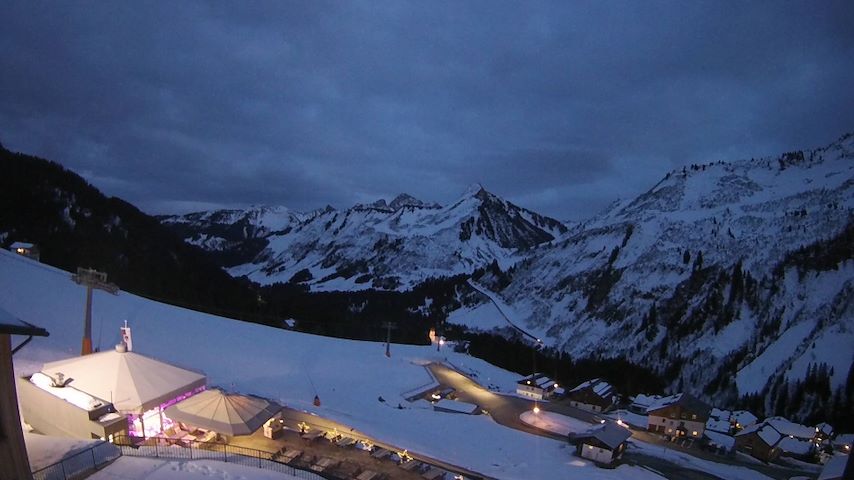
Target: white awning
column 133, row 383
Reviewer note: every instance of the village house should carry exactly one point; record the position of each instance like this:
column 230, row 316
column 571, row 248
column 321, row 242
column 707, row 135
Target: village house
column 843, row 443
column 594, row 395
column 727, row 422
column 603, row 443
column 680, row 415
column 29, row 250
column 537, row 386
column 774, row 437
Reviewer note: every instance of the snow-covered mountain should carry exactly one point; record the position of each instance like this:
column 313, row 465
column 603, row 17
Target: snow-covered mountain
column 728, row 278
column 385, row 245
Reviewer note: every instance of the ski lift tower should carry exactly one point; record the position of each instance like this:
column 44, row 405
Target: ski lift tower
column 92, row 279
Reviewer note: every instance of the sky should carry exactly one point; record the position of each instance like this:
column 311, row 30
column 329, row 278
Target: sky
column 560, row 107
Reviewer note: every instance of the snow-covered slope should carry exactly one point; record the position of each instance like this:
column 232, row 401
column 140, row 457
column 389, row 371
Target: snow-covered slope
column 721, row 276
column 392, row 245
column 287, row 366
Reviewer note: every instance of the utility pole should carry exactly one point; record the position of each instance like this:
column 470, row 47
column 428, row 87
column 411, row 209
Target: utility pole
column 92, row 279
column 389, row 327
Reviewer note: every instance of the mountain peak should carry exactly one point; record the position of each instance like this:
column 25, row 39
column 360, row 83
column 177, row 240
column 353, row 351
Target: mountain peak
column 406, row 200
column 474, row 190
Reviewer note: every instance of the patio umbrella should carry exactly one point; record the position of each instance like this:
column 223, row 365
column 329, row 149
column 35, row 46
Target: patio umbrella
column 226, row 413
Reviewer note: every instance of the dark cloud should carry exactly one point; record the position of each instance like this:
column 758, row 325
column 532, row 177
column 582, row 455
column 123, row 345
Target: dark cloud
column 560, row 107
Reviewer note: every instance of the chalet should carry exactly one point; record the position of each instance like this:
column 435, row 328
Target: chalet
column 537, row 386
column 594, row 395
column 774, row 437
column 28, row 250
column 603, row 443
column 725, row 421
column 843, row 443
column 760, row 441
column 679, row 415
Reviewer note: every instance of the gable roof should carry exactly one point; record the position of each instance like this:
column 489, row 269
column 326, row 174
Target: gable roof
column 608, row 433
column 539, row 380
column 600, row 387
column 644, row 401
column 786, row 427
column 133, row 382
column 227, row 413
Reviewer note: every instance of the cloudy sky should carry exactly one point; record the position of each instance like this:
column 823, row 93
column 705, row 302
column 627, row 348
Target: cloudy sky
column 560, row 107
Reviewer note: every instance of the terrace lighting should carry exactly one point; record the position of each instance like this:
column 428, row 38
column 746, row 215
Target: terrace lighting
column 536, row 409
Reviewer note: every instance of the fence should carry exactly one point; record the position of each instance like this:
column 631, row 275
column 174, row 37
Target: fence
column 84, row 462
column 80, row 464
column 245, row 456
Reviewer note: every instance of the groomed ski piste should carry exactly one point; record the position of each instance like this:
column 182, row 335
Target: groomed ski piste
column 292, row 368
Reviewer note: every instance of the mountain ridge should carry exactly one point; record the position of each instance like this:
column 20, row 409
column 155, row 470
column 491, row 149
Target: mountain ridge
column 379, row 238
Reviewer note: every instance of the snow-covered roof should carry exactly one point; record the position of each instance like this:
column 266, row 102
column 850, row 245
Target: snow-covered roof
column 834, row 468
column 750, row 429
column 688, row 401
column 743, row 418
column 599, row 386
column 538, row 379
column 719, row 439
column 17, row 245
column 795, row 446
column 718, row 425
column 844, row 439
column 456, row 406
column 786, row 427
column 825, row 428
column 664, row 402
column 644, row 401
column 228, row 413
column 720, row 414
column 134, row 383
column 769, row 435
column 609, row 433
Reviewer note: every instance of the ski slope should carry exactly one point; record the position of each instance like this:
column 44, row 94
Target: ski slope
column 286, row 366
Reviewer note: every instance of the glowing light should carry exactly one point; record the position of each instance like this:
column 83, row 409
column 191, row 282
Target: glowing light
column 536, row 409
column 303, row 427
column 694, row 433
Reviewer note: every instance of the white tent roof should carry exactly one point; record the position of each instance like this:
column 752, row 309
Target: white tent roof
column 134, row 383
column 227, row 413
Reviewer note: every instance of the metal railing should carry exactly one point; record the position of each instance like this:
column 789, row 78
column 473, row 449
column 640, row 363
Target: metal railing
column 196, row 450
column 80, row 464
